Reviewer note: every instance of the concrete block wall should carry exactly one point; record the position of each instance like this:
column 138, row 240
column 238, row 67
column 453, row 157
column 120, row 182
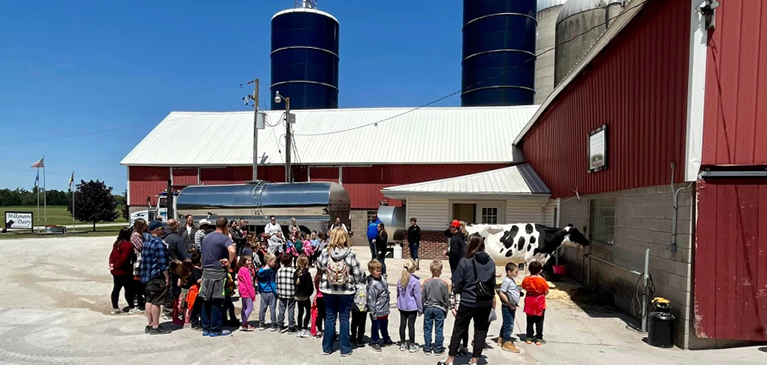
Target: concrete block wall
column 643, row 219
column 359, row 220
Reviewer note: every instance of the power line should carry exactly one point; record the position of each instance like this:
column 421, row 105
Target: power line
column 471, row 86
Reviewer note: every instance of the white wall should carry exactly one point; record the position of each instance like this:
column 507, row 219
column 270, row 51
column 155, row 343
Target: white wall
column 525, row 210
column 432, row 214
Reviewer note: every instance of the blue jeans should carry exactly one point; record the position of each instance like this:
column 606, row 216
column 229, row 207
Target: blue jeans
column 372, row 246
column 381, row 325
column 381, row 258
column 433, row 317
column 212, row 320
column 337, row 306
column 508, row 322
column 414, row 250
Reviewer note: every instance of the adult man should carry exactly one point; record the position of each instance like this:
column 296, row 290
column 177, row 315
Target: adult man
column 178, row 252
column 373, row 233
column 273, row 231
column 200, row 234
column 457, row 248
column 338, row 224
column 414, row 240
column 154, row 275
column 188, row 231
column 217, row 253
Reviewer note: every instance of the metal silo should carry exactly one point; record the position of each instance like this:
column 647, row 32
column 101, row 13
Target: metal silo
column 498, row 52
column 305, row 57
column 579, row 24
column 548, row 11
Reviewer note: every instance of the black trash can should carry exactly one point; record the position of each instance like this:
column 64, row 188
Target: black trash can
column 660, row 332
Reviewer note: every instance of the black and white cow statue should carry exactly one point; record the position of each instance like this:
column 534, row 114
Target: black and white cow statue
column 524, row 242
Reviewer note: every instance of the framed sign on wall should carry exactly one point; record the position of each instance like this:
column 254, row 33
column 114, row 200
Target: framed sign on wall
column 598, row 149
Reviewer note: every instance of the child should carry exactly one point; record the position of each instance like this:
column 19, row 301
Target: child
column 436, row 301
column 229, row 285
column 308, row 249
column 192, row 315
column 267, row 287
column 247, row 291
column 319, row 304
column 509, row 295
column 359, row 315
column 409, row 304
column 535, row 302
column 378, row 306
column 286, row 295
column 304, row 289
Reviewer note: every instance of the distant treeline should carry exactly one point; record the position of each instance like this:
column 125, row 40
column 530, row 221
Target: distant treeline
column 25, row 197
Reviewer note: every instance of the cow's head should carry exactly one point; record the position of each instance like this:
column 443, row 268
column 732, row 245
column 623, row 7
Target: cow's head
column 574, row 235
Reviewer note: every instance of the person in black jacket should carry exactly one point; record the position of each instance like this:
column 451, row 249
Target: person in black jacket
column 382, row 245
column 474, row 281
column 304, row 291
column 414, row 240
column 177, row 251
column 457, row 248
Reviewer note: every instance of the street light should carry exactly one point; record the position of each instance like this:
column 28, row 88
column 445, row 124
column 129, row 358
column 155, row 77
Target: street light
column 277, row 100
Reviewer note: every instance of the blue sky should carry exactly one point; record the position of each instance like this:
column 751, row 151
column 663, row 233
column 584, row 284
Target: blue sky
column 68, row 68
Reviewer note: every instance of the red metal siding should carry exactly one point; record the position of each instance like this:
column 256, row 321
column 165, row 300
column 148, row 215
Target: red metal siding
column 638, row 87
column 183, row 177
column 147, row 181
column 731, row 260
column 735, row 123
column 324, row 174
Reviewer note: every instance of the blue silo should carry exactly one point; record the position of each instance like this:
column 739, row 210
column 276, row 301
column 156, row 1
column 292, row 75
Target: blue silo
column 498, row 52
column 305, row 57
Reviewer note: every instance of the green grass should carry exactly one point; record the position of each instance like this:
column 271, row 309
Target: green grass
column 100, row 232
column 57, row 214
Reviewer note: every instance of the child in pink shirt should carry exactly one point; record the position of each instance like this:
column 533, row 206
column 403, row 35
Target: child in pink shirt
column 245, row 276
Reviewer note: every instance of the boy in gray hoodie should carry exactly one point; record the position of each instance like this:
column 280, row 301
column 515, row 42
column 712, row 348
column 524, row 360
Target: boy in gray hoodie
column 378, row 306
column 436, row 301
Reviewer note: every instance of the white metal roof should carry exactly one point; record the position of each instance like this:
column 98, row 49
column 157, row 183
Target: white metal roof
column 514, row 180
column 631, row 9
column 401, row 136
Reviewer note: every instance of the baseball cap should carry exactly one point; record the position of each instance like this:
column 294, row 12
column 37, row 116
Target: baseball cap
column 155, row 225
column 247, row 252
column 455, row 223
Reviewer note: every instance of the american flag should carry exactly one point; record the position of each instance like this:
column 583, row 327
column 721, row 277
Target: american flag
column 40, row 163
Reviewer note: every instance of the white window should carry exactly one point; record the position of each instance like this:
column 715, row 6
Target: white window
column 489, row 215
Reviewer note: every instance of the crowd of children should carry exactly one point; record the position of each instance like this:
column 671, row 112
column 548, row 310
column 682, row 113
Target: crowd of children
column 281, row 277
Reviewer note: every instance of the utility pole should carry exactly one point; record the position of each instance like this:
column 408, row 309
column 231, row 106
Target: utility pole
column 255, row 99
column 289, row 119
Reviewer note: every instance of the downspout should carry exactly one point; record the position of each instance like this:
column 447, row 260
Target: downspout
column 675, row 206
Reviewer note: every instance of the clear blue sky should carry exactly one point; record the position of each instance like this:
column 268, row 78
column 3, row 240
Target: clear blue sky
column 73, row 67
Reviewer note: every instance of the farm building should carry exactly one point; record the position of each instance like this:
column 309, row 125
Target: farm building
column 651, row 141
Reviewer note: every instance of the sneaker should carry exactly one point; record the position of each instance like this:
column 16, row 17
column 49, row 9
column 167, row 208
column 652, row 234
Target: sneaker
column 221, row 334
column 388, row 343
column 262, row 328
column 245, row 328
column 275, row 329
column 403, row 346
column 283, row 329
column 136, row 311
column 292, row 331
column 205, row 333
column 376, row 347
column 126, row 309
column 414, row 348
column 196, row 328
column 353, row 343
column 509, row 346
column 158, row 331
column 116, row 311
column 439, row 352
column 427, row 350
column 304, row 334
column 347, row 354
column 147, row 328
column 326, row 353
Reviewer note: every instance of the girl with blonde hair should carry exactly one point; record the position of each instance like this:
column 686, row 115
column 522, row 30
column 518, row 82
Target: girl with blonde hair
column 409, row 304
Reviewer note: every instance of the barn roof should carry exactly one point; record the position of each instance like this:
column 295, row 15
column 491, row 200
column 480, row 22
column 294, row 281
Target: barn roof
column 514, row 180
column 338, row 137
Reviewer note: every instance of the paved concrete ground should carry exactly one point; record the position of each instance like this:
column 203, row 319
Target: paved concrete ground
column 54, row 306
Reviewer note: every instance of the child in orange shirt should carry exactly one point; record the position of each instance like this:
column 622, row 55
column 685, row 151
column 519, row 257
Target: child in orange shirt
column 535, row 302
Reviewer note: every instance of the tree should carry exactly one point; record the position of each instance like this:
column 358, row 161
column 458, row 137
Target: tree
column 94, row 202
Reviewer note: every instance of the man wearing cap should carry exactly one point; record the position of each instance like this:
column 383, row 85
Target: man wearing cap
column 188, row 232
column 373, row 233
column 200, row 234
column 457, row 248
column 177, row 251
column 154, row 275
column 218, row 252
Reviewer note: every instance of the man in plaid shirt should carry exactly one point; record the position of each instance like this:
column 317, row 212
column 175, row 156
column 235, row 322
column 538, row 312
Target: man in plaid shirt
column 286, row 294
column 154, row 274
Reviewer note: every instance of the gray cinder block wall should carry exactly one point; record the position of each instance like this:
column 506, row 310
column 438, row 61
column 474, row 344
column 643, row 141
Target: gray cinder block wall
column 643, row 219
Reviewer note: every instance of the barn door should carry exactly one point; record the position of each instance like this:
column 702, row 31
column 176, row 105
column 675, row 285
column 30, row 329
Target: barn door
column 731, row 259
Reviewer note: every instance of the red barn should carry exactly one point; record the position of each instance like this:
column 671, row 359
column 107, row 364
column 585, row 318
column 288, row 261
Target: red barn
column 652, row 142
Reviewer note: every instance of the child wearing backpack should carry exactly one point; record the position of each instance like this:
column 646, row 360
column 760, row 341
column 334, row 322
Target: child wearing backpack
column 359, row 314
column 267, row 288
column 378, row 306
column 409, row 304
column 286, row 295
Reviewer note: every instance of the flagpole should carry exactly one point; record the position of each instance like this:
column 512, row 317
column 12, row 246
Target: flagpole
column 38, row 199
column 45, row 201
column 72, row 181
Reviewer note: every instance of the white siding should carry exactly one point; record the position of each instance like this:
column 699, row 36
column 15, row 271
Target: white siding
column 524, row 211
column 432, row 214
column 549, row 211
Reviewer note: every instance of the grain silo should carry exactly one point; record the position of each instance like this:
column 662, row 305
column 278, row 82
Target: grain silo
column 498, row 52
column 548, row 11
column 305, row 57
column 579, row 24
